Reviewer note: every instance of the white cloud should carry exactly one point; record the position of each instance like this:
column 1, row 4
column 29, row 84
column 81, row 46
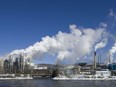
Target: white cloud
column 112, row 14
column 72, row 46
column 103, row 24
column 112, row 51
column 101, row 44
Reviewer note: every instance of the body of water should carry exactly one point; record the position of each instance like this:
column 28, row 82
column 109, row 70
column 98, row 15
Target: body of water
column 52, row 83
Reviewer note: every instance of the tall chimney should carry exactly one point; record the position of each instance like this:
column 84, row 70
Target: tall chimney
column 94, row 60
column 109, row 59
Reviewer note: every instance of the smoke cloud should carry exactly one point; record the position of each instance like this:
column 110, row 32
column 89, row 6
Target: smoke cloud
column 112, row 14
column 72, row 46
column 112, row 51
column 101, row 44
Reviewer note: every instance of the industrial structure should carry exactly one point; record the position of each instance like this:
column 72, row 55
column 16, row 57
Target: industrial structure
column 86, row 69
column 22, row 65
column 17, row 65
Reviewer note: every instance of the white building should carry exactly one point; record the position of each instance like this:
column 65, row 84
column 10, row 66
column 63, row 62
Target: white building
column 104, row 73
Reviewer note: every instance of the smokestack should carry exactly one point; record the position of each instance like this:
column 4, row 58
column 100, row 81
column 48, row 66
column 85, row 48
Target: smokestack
column 94, row 60
column 98, row 46
column 109, row 59
column 98, row 60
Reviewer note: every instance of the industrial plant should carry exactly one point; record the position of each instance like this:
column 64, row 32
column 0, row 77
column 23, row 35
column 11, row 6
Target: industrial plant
column 86, row 71
column 24, row 66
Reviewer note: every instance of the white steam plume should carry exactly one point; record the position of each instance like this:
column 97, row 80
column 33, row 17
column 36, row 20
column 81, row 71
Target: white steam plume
column 112, row 14
column 101, row 44
column 112, row 51
column 73, row 46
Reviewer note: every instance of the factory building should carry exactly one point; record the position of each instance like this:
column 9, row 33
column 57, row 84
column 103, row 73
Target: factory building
column 43, row 70
column 112, row 66
column 11, row 64
column 17, row 65
column 1, row 66
column 6, row 66
column 21, row 64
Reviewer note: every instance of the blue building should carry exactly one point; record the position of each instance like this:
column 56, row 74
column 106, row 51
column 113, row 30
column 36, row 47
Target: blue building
column 112, row 66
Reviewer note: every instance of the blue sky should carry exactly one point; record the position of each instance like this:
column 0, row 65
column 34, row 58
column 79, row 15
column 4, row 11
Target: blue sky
column 24, row 22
